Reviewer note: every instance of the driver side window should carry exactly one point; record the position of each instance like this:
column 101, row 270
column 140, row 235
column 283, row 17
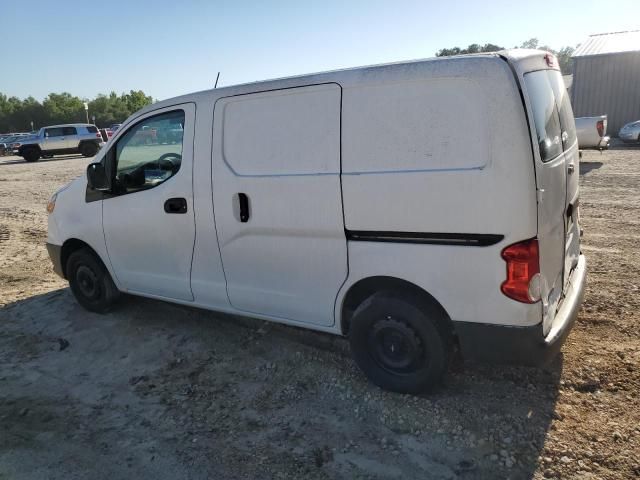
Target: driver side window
column 149, row 153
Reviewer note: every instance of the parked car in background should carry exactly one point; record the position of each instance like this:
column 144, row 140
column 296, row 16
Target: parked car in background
column 146, row 135
column 5, row 140
column 170, row 134
column 80, row 138
column 115, row 127
column 8, row 142
column 630, row 132
column 106, row 134
column 591, row 132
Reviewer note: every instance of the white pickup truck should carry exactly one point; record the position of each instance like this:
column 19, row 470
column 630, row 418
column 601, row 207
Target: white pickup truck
column 591, row 132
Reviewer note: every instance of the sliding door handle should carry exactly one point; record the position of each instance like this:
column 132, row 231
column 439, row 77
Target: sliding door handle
column 175, row 205
column 243, row 201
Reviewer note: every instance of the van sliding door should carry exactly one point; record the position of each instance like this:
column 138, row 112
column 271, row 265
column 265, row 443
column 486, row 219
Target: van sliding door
column 278, row 203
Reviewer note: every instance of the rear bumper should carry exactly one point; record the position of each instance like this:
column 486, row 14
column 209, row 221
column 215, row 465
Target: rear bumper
column 524, row 345
column 604, row 143
column 55, row 254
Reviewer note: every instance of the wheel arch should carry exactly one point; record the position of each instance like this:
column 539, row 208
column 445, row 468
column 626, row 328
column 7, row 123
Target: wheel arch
column 73, row 245
column 367, row 286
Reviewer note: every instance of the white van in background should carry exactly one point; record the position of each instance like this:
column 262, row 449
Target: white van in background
column 416, row 208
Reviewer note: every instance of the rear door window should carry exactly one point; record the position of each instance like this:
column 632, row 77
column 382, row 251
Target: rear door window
column 545, row 114
column 567, row 122
column 54, row 132
column 69, row 131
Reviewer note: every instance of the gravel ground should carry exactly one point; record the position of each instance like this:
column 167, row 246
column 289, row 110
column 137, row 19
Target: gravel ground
column 160, row 391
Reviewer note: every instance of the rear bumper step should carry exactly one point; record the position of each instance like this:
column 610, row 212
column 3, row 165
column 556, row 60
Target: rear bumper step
column 524, row 345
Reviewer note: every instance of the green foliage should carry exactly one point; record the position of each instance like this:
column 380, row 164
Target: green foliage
column 63, row 108
column 564, row 54
column 16, row 115
column 473, row 48
column 564, row 59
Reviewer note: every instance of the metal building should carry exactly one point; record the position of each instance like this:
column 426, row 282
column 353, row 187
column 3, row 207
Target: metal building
column 606, row 78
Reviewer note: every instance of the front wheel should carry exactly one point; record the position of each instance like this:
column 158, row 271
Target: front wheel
column 399, row 342
column 31, row 155
column 90, row 282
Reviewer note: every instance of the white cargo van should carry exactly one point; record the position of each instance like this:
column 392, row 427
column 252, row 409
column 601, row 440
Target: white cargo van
column 416, row 208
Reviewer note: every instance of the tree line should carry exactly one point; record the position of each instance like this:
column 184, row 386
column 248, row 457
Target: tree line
column 564, row 54
column 17, row 115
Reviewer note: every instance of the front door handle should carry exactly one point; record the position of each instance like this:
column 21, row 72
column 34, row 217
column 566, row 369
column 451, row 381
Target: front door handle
column 243, row 200
column 175, row 205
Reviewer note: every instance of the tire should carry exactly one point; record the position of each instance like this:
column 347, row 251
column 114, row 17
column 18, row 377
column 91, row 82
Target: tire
column 90, row 282
column 88, row 149
column 31, row 154
column 400, row 342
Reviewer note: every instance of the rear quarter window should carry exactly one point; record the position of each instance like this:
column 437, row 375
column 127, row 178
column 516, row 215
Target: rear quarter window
column 92, row 129
column 545, row 114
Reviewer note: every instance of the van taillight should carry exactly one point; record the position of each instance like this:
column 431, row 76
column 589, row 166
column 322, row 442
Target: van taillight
column 523, row 271
column 600, row 127
column 552, row 61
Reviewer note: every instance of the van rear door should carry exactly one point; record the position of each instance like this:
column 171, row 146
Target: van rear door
column 551, row 183
column 572, row 159
column 557, row 185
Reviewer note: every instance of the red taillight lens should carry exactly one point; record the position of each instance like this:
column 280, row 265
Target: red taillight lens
column 523, row 267
column 600, row 127
column 99, row 135
column 551, row 60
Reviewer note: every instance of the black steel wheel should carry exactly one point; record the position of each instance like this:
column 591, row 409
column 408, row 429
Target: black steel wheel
column 400, row 342
column 90, row 281
column 31, row 154
column 88, row 149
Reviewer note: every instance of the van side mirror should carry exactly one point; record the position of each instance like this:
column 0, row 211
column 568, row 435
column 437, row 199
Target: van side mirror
column 97, row 177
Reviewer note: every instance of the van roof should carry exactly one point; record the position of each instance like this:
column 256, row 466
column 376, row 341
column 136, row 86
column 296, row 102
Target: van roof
column 513, row 55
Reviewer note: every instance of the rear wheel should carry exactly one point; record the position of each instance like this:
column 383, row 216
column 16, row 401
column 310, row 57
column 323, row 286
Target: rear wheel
column 90, row 282
column 31, row 154
column 88, row 149
column 400, row 342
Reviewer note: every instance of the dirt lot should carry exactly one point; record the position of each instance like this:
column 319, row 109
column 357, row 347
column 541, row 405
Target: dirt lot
column 159, row 391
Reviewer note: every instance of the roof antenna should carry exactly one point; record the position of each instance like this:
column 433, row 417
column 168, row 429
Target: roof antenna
column 217, row 78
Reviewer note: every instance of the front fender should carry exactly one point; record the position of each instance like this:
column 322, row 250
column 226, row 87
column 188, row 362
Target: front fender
column 75, row 218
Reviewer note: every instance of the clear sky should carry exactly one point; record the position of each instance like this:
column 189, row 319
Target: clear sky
column 168, row 48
